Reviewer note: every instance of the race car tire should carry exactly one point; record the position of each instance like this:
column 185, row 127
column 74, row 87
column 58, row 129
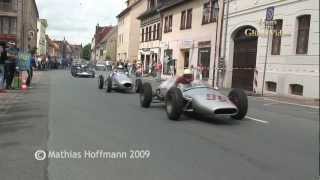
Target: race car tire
column 138, row 85
column 174, row 103
column 239, row 98
column 109, row 85
column 101, row 82
column 146, row 95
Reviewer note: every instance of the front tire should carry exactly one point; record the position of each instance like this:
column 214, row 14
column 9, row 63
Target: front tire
column 101, row 82
column 239, row 98
column 174, row 104
column 109, row 85
column 138, row 85
column 146, row 95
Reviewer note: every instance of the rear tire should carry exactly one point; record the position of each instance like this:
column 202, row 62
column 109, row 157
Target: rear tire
column 109, row 85
column 138, row 85
column 101, row 82
column 146, row 95
column 174, row 104
column 239, row 98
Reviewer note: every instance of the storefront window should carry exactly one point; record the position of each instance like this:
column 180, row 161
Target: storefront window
column 204, row 63
column 167, row 61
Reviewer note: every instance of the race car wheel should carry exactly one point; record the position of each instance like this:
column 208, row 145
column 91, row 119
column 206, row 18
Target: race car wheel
column 138, row 85
column 240, row 99
column 174, row 103
column 109, row 85
column 101, row 82
column 146, row 95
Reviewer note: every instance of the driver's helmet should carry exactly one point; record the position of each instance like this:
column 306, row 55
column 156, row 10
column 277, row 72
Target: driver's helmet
column 120, row 67
column 187, row 73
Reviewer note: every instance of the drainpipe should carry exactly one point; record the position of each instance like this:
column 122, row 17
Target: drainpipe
column 223, row 57
column 217, row 52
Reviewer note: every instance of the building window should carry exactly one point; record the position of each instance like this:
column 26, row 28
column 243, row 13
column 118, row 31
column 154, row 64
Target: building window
column 303, row 34
column 154, row 32
column 210, row 12
column 150, row 33
column 183, row 20
column 8, row 25
column 296, row 89
column 147, row 34
column 168, row 24
column 276, row 40
column 142, row 35
column 189, row 19
column 271, row 86
column 158, row 31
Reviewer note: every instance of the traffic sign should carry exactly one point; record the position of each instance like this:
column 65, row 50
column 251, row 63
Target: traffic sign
column 270, row 13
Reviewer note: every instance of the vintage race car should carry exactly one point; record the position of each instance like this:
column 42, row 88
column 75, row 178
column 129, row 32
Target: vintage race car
column 116, row 80
column 82, row 71
column 196, row 97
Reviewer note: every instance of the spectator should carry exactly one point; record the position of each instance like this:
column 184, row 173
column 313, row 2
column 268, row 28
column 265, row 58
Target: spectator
column 3, row 57
column 32, row 64
column 10, row 64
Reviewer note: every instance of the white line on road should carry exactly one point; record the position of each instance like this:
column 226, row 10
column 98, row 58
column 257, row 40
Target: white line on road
column 269, row 104
column 257, row 120
column 284, row 102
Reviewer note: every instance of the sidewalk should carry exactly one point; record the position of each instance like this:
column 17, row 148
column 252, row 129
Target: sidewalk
column 9, row 98
column 301, row 101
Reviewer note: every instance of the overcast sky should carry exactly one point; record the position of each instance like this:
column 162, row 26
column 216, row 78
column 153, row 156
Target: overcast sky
column 76, row 19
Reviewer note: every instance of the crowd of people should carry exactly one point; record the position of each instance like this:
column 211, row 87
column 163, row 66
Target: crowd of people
column 9, row 67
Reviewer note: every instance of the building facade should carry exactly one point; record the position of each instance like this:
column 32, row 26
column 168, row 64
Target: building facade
column 18, row 19
column 189, row 37
column 291, row 53
column 41, row 37
column 76, row 51
column 128, row 27
column 150, row 35
column 97, row 48
column 109, row 45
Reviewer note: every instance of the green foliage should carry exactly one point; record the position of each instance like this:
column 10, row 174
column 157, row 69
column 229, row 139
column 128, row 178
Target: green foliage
column 86, row 52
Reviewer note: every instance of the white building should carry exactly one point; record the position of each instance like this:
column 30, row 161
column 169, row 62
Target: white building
column 150, row 34
column 292, row 58
column 41, row 37
column 128, row 29
column 189, row 36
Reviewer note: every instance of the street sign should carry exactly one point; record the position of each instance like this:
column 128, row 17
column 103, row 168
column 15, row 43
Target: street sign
column 270, row 13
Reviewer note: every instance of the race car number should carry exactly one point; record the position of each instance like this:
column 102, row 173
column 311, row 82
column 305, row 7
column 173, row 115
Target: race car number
column 213, row 97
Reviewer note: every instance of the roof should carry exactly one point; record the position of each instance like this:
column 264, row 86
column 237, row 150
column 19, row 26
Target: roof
column 101, row 32
column 105, row 38
column 125, row 11
column 171, row 4
column 148, row 13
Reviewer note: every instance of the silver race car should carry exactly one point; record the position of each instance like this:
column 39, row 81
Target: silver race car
column 116, row 80
column 196, row 97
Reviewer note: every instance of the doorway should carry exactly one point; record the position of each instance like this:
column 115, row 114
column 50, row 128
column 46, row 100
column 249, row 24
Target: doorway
column 244, row 59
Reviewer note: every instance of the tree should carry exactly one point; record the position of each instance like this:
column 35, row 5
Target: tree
column 86, row 52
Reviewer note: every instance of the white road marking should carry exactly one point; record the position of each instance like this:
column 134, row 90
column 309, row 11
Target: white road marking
column 257, row 120
column 295, row 104
column 269, row 104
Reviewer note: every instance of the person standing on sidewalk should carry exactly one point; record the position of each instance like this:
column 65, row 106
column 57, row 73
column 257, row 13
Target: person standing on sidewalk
column 10, row 64
column 3, row 57
column 32, row 64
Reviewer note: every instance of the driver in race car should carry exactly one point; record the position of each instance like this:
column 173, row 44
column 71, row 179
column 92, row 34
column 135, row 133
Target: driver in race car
column 186, row 78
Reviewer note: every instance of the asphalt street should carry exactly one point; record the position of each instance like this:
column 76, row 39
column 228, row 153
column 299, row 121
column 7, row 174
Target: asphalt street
column 276, row 142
